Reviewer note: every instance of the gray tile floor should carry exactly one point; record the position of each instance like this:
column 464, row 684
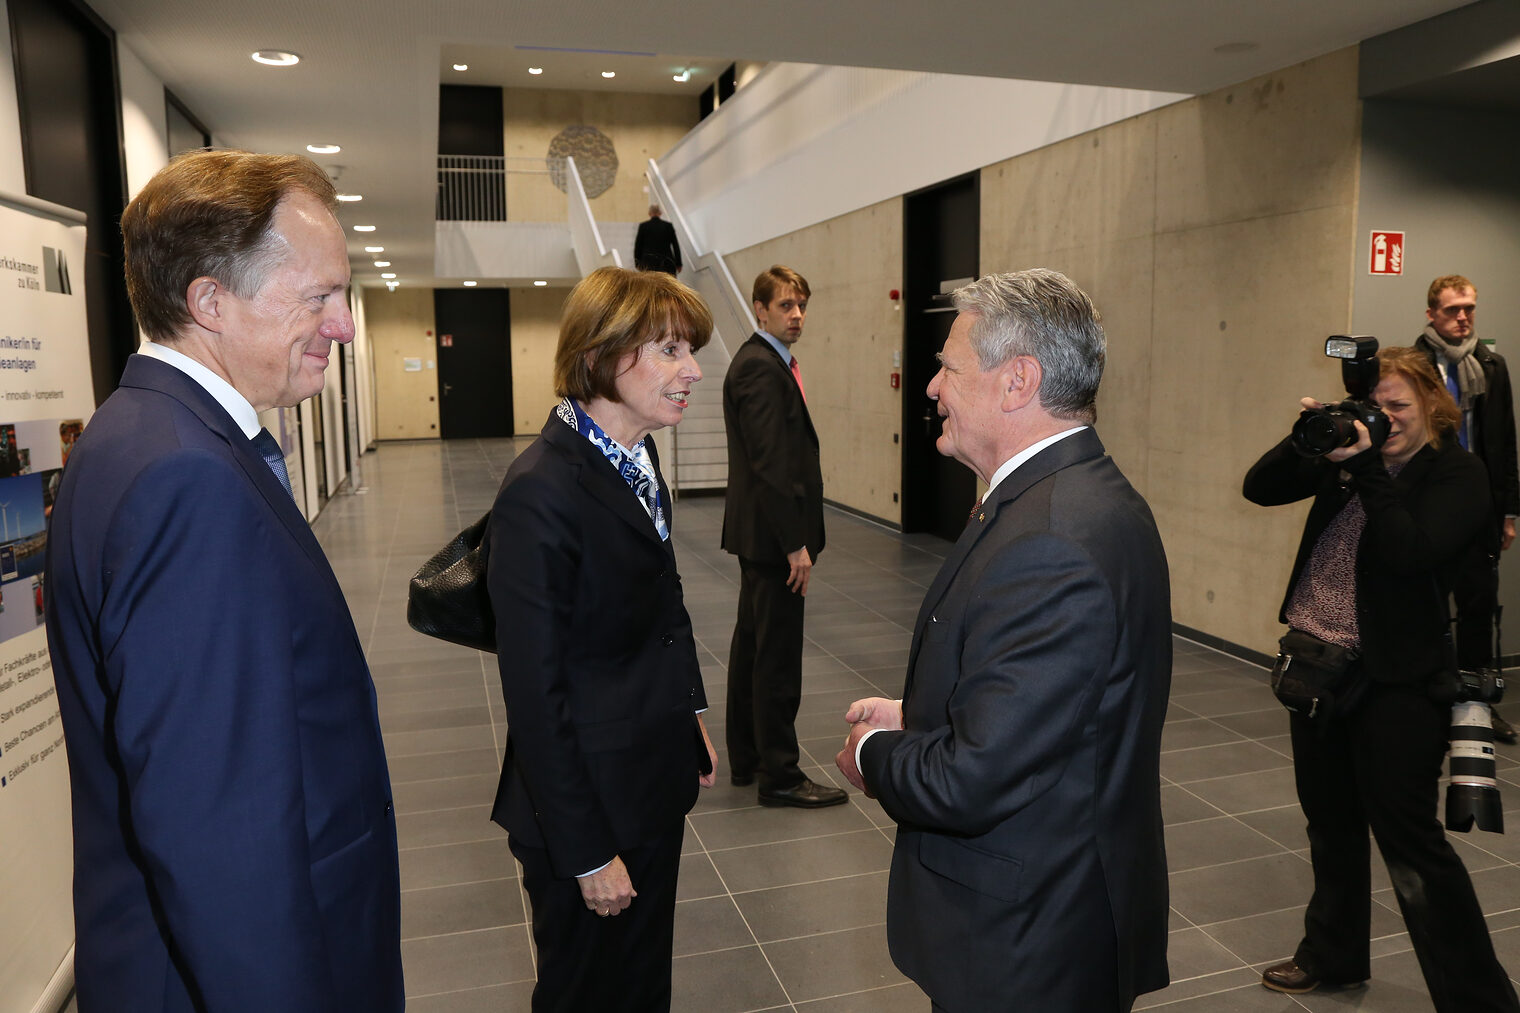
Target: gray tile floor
column 781, row 909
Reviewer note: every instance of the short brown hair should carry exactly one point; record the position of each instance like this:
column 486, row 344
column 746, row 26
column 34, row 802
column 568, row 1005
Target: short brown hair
column 775, row 278
column 614, row 311
column 1445, row 282
column 208, row 214
column 1440, row 411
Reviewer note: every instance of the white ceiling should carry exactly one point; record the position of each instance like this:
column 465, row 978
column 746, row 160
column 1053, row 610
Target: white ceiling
column 369, row 73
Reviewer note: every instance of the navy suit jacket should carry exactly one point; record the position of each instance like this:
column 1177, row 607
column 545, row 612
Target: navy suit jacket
column 598, row 665
column 774, row 503
column 1029, row 869
column 234, row 839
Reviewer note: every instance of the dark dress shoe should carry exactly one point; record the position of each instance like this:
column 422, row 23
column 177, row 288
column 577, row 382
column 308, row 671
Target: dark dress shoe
column 1290, row 978
column 1504, row 731
column 803, row 795
column 741, row 780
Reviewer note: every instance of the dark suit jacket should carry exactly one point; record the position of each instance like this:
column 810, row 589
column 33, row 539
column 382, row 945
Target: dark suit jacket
column 774, row 503
column 234, row 841
column 655, row 247
column 598, row 665
column 1030, row 870
column 1494, row 430
column 1421, row 526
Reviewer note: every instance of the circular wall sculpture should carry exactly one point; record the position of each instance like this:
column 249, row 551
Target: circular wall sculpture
column 595, row 159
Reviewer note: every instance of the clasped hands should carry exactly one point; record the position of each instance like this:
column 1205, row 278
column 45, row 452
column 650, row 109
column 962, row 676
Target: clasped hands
column 871, row 714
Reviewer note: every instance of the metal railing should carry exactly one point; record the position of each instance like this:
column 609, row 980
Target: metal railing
column 473, row 188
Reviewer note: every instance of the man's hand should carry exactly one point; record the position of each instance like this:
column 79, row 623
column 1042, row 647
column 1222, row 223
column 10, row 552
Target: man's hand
column 876, row 712
column 1508, row 538
column 608, row 891
column 802, row 565
column 710, row 778
column 864, row 716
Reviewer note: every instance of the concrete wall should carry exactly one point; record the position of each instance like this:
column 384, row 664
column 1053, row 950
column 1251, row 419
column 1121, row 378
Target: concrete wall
column 535, row 331
column 400, row 327
column 1446, row 178
column 852, row 330
column 641, row 127
column 1215, row 236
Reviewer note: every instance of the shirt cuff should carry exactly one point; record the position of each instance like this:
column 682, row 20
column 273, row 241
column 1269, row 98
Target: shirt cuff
column 861, row 744
column 596, row 870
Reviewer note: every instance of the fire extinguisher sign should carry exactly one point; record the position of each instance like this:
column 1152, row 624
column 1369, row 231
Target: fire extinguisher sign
column 1387, row 253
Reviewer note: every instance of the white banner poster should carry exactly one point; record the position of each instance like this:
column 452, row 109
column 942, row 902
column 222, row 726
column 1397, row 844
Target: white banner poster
column 46, row 396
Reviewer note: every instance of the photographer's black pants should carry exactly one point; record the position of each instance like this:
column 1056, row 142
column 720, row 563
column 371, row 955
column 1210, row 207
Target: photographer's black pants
column 1380, row 767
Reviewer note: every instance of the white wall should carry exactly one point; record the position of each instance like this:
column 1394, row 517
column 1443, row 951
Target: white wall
column 803, row 143
column 144, row 120
column 12, row 170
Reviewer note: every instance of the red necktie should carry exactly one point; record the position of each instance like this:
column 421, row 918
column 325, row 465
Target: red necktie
column 974, row 508
column 797, row 375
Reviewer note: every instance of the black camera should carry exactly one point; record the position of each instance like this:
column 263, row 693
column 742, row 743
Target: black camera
column 1321, row 430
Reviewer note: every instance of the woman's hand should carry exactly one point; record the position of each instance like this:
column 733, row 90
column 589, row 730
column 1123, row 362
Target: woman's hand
column 710, row 778
column 1363, row 437
column 608, row 891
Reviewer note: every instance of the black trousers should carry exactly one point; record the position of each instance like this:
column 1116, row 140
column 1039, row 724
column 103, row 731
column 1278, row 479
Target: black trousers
column 1378, row 767
column 765, row 676
column 1475, row 591
column 588, row 963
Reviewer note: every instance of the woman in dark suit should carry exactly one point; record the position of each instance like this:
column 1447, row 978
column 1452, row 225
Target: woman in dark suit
column 605, row 744
column 1387, row 530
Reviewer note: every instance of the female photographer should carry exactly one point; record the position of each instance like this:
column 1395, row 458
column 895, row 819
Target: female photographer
column 1385, row 532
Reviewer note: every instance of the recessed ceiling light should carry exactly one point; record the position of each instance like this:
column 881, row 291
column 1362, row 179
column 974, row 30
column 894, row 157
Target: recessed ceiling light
column 461, row 66
column 1229, row 48
column 323, row 149
column 609, row 73
column 535, row 70
column 469, row 284
column 275, row 58
column 364, row 228
column 374, row 249
column 382, row 263
column 392, row 285
column 350, row 197
column 540, row 284
column 388, row 274
column 682, row 77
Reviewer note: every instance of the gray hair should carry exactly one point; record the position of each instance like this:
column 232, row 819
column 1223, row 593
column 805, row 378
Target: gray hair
column 1042, row 314
column 655, row 209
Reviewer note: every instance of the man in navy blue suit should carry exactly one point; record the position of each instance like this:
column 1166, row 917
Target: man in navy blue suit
column 234, row 839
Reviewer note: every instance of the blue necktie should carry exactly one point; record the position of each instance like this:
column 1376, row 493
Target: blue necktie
column 1456, row 395
column 269, row 449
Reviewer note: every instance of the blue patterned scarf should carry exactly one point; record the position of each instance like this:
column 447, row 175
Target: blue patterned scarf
column 634, row 465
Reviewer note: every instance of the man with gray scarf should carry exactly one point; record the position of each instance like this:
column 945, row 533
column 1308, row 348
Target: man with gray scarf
column 1479, row 381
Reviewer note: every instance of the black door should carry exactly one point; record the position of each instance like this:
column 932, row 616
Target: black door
column 941, row 237
column 71, row 147
column 474, row 362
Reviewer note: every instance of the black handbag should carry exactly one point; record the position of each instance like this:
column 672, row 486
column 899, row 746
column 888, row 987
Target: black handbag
column 448, row 598
column 1314, row 678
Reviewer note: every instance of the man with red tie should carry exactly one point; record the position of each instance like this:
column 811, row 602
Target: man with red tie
column 773, row 521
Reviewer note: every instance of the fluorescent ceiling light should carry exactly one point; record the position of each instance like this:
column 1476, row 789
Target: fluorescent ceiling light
column 323, row 149
column 382, row 263
column 682, row 77
column 540, row 284
column 275, row 58
column 350, row 197
column 364, row 228
column 388, row 274
column 374, row 249
column 469, row 284
column 609, row 73
column 461, row 66
column 535, row 70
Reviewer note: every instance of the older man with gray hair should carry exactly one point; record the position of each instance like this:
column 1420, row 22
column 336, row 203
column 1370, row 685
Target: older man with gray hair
column 1022, row 764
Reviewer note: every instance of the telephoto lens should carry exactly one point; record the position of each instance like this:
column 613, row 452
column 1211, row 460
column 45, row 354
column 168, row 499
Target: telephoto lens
column 1473, row 795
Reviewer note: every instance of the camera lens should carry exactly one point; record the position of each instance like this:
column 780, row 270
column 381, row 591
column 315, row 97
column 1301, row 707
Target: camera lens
column 1319, row 431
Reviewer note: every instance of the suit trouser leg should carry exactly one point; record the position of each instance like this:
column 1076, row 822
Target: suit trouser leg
column 588, row 963
column 765, row 676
